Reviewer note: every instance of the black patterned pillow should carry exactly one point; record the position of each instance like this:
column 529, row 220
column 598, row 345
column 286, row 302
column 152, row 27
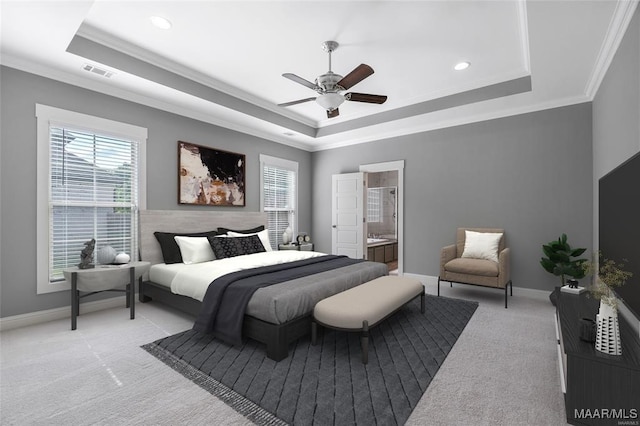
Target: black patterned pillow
column 235, row 246
column 241, row 231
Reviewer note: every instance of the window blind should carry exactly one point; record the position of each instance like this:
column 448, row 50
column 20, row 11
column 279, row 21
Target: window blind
column 279, row 201
column 93, row 193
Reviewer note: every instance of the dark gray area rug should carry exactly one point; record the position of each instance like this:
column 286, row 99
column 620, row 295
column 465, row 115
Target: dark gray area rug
column 326, row 384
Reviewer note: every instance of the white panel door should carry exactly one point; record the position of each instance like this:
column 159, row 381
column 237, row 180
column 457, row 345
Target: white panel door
column 348, row 200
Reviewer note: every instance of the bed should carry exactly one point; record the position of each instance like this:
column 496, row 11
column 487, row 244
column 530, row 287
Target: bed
column 275, row 315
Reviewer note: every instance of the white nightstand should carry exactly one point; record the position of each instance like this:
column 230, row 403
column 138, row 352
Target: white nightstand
column 104, row 278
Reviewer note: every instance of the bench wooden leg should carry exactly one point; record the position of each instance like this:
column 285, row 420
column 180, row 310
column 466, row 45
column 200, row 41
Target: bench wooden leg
column 422, row 302
column 364, row 342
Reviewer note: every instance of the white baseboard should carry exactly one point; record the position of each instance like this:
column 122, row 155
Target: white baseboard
column 38, row 317
column 431, row 281
column 426, row 280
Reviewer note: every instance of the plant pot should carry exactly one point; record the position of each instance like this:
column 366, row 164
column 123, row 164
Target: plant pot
column 608, row 334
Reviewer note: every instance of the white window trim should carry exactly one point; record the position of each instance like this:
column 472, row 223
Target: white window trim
column 47, row 116
column 283, row 164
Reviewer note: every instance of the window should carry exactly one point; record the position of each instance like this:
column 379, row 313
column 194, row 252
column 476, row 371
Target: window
column 91, row 184
column 374, row 207
column 279, row 183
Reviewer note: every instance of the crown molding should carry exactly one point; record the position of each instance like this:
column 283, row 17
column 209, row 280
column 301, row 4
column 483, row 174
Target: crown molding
column 524, row 35
column 615, row 33
column 457, row 121
column 109, row 90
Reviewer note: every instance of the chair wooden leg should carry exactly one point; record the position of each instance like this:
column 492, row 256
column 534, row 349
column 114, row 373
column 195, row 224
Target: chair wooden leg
column 438, row 286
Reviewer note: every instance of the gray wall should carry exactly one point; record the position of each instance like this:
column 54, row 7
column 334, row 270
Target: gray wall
column 21, row 91
column 530, row 174
column 616, row 112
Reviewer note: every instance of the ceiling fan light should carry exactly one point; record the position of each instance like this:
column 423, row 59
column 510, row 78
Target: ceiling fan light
column 330, row 101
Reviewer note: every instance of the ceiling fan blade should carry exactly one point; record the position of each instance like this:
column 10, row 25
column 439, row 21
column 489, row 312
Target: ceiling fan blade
column 333, row 113
column 361, row 72
column 300, row 80
column 299, row 101
column 365, row 97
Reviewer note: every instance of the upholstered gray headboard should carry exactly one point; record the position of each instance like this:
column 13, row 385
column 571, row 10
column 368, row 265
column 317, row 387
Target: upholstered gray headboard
column 189, row 221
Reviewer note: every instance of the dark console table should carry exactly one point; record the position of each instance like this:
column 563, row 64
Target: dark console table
column 598, row 389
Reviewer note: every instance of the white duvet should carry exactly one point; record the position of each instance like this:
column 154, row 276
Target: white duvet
column 193, row 280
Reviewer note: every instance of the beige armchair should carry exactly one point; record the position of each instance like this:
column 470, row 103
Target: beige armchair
column 487, row 268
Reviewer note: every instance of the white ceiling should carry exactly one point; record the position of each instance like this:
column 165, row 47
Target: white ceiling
column 222, row 61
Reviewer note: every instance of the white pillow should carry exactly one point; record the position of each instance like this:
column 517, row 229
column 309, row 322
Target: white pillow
column 263, row 235
column 481, row 245
column 194, row 249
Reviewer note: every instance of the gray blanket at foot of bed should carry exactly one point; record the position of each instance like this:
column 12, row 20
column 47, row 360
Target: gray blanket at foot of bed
column 225, row 302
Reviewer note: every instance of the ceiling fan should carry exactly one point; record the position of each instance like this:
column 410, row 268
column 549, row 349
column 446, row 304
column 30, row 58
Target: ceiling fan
column 330, row 86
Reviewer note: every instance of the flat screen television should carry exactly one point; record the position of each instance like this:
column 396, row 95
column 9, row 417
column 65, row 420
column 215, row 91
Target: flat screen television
column 619, row 225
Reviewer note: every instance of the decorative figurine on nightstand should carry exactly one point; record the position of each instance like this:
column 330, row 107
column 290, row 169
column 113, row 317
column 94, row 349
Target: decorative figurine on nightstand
column 105, row 255
column 572, row 287
column 303, row 239
column 304, row 242
column 122, row 258
column 287, row 235
column 86, row 255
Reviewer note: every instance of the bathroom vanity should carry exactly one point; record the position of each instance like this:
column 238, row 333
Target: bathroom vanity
column 382, row 250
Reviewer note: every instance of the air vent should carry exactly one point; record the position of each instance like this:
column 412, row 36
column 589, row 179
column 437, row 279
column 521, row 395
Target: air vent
column 99, row 71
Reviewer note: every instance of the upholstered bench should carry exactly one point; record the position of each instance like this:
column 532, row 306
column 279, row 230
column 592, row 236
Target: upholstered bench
column 365, row 306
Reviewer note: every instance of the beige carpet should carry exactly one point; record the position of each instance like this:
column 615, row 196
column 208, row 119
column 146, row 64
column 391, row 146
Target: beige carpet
column 502, row 371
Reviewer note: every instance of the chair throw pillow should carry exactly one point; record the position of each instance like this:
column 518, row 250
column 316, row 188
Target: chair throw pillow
column 481, row 245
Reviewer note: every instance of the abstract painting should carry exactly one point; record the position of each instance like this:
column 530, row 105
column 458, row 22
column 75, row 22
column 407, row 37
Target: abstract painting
column 211, row 177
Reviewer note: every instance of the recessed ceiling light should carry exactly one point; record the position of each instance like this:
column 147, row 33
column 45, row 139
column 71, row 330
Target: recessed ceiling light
column 160, row 22
column 462, row 66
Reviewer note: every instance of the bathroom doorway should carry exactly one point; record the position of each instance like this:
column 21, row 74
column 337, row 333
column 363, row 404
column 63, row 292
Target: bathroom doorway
column 384, row 214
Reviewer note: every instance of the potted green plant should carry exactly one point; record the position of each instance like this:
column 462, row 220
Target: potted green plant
column 561, row 259
column 607, row 276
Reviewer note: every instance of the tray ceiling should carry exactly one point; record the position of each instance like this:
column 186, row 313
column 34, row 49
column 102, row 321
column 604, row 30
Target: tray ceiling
column 222, row 61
